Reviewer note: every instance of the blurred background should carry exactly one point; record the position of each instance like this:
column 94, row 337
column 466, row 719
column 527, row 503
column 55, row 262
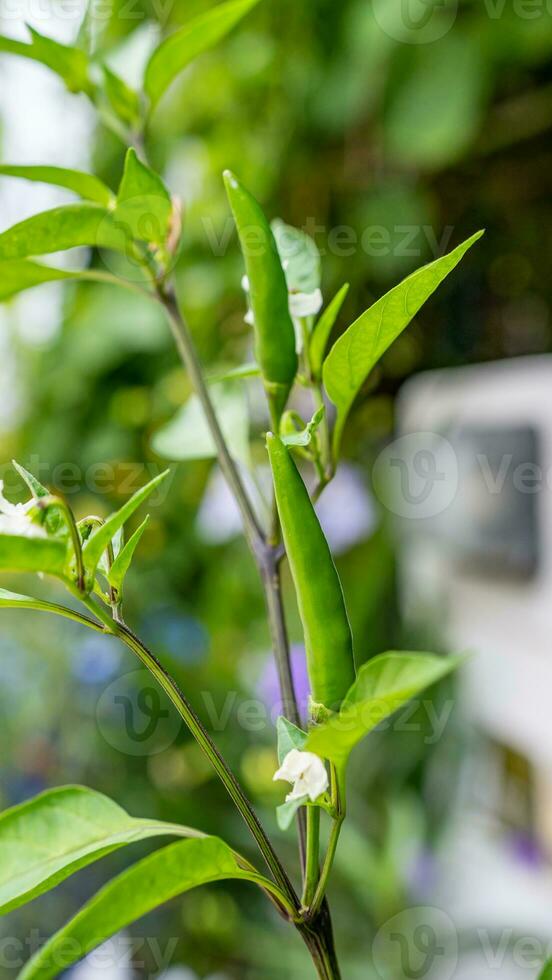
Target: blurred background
column 391, row 132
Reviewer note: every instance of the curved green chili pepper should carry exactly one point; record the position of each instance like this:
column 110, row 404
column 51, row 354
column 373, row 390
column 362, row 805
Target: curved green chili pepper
column 319, row 594
column 274, row 331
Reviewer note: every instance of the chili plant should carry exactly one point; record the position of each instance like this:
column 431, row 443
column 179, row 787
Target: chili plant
column 141, row 223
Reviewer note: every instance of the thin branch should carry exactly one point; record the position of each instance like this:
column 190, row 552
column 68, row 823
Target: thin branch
column 205, row 741
column 267, row 555
column 186, row 349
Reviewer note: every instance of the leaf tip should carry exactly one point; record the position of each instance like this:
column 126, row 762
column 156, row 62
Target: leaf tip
column 230, row 179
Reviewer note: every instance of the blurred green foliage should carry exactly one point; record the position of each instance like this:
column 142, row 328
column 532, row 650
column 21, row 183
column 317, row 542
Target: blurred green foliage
column 388, row 152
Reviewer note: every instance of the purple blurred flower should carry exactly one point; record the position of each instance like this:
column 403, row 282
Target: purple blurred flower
column 346, row 510
column 269, row 689
column 526, row 850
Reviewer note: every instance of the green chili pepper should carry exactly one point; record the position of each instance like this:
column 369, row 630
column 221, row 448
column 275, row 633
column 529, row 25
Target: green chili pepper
column 274, row 331
column 319, row 594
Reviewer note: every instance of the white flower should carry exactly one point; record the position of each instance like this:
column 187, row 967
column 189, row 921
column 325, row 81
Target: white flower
column 14, row 518
column 307, row 772
column 305, row 304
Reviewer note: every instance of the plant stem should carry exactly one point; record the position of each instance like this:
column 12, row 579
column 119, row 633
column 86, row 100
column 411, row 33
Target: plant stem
column 312, row 870
column 186, row 349
column 271, row 579
column 319, row 940
column 52, row 501
column 206, row 743
column 327, row 866
column 266, row 554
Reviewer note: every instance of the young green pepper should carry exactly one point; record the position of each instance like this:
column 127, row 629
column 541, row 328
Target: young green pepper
column 274, row 331
column 320, row 599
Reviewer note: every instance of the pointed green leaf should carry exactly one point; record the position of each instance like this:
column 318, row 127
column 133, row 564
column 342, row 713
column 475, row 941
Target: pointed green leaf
column 35, row 486
column 187, row 435
column 303, row 437
column 117, row 572
column 69, row 226
column 13, row 600
column 285, row 813
column 251, row 370
column 322, row 331
column 50, row 837
column 300, row 257
column 53, row 520
column 17, row 275
column 71, row 64
column 382, row 686
column 163, row 875
column 180, row 49
column 100, row 538
column 144, row 204
column 124, row 101
column 85, row 185
column 20, row 274
column 357, row 351
column 547, row 971
column 289, row 737
column 24, row 554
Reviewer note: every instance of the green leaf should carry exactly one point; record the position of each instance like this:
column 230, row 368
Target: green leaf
column 285, row 813
column 48, row 838
column 382, row 686
column 180, row 49
column 98, row 541
column 300, row 257
column 163, row 875
column 21, row 274
column 124, row 101
column 356, row 352
column 53, row 519
column 322, row 331
column 289, row 737
column 144, row 204
column 304, row 436
column 17, row 275
column 251, row 370
column 85, row 185
column 68, row 226
column 24, row 554
column 71, row 64
column 13, row 600
column 547, row 971
column 35, row 486
column 116, row 574
column 187, row 435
